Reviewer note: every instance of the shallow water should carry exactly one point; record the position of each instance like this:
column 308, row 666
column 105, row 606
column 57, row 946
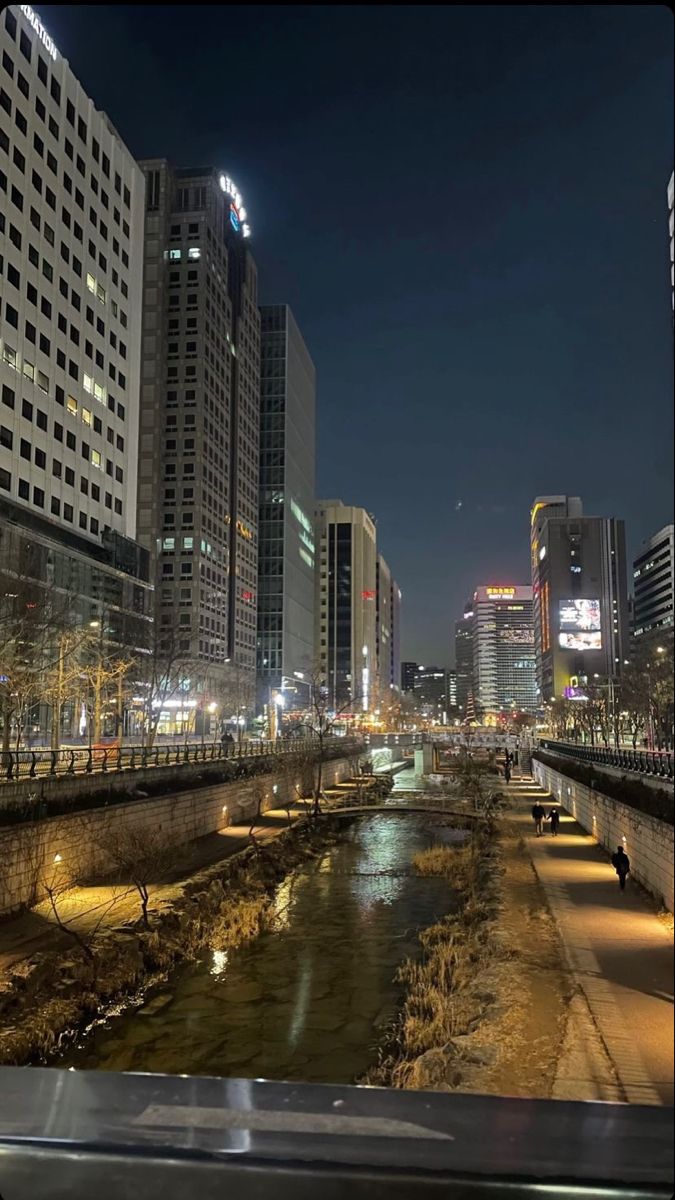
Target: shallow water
column 308, row 1000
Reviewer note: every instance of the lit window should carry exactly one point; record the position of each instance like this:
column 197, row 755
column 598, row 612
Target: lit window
column 42, row 381
column 28, row 370
column 188, row 543
column 174, row 255
column 91, row 283
column 194, row 252
column 86, row 416
column 168, row 543
column 88, row 384
column 9, row 356
column 72, row 405
column 96, row 458
column 100, row 392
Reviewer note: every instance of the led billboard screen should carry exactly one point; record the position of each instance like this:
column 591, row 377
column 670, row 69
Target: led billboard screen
column 580, row 625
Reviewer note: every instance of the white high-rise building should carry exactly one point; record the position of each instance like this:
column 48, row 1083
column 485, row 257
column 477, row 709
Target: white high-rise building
column 654, row 584
column 346, row 605
column 71, row 249
column 71, row 198
column 504, row 676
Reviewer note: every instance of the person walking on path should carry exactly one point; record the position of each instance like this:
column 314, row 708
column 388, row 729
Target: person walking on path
column 554, row 818
column 507, row 771
column 621, row 864
column 538, row 815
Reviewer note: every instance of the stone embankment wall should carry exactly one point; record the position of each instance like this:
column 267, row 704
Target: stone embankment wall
column 648, row 842
column 65, row 849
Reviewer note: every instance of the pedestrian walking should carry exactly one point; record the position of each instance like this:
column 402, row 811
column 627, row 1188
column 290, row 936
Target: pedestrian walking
column 621, row 864
column 538, row 815
column 554, row 818
column 507, row 771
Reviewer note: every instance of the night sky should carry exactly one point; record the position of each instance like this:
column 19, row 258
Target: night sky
column 466, row 210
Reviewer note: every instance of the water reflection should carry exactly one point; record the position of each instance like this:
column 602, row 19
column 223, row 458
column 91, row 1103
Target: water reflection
column 308, row 1001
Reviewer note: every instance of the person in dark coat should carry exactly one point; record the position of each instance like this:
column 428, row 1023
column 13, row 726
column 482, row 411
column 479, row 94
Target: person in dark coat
column 621, row 864
column 554, row 818
column 538, row 815
column 507, row 771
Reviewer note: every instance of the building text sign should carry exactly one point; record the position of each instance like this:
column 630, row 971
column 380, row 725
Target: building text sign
column 39, row 28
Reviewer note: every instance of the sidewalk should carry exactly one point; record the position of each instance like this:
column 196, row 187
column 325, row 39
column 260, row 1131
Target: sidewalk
column 92, row 909
column 619, row 951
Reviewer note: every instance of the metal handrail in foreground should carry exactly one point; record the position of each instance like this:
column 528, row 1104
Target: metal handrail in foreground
column 16, row 765
column 79, row 1134
column 656, row 763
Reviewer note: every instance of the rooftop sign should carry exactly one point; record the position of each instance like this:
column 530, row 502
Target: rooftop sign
column 238, row 213
column 39, row 28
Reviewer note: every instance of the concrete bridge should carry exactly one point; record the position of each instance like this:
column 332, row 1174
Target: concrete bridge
column 410, row 802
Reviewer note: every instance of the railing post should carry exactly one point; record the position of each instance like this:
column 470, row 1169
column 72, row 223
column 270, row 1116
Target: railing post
column 55, row 759
column 70, row 770
column 118, row 765
column 90, row 763
column 104, row 764
column 132, row 764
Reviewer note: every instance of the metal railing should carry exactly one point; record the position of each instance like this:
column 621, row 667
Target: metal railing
column 16, row 765
column 656, row 763
column 94, row 1133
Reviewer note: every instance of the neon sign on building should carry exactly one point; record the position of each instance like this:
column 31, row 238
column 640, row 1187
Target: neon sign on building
column 508, row 592
column 238, row 214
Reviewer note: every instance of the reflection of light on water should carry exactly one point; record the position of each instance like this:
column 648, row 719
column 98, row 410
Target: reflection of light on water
column 301, row 1002
column 388, row 860
column 282, row 902
column 218, row 962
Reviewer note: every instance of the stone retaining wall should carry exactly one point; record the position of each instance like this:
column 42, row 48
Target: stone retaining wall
column 648, row 842
column 66, row 849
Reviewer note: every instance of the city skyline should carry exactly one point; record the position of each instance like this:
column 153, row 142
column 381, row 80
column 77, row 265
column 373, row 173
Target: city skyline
column 563, row 203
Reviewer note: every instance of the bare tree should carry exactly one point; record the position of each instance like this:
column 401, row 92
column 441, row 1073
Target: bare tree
column 141, row 856
column 321, row 719
column 167, row 673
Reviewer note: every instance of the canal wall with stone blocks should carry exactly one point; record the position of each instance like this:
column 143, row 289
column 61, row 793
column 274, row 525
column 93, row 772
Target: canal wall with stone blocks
column 58, row 851
column 648, row 842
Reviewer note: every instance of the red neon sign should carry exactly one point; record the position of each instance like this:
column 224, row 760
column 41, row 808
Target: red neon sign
column 368, row 595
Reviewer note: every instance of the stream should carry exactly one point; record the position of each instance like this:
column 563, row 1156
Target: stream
column 310, row 999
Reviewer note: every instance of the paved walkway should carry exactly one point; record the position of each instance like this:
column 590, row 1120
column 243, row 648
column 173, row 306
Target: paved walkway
column 93, row 909
column 619, row 950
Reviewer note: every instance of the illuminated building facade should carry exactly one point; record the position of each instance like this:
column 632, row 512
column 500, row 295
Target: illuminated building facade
column 408, row 672
column 431, row 693
column 464, row 659
column 580, row 595
column 345, row 610
column 286, row 559
column 71, row 251
column 654, row 584
column 504, row 678
column 200, row 423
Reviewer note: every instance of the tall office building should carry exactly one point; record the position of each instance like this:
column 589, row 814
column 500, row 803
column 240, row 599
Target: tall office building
column 504, row 677
column 464, row 659
column 431, row 693
column 452, row 690
column 671, row 237
column 286, row 555
column 580, row 595
column 408, row 673
column 384, row 629
column 200, row 425
column 71, row 237
column 345, row 619
column 654, row 584
column 395, row 644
